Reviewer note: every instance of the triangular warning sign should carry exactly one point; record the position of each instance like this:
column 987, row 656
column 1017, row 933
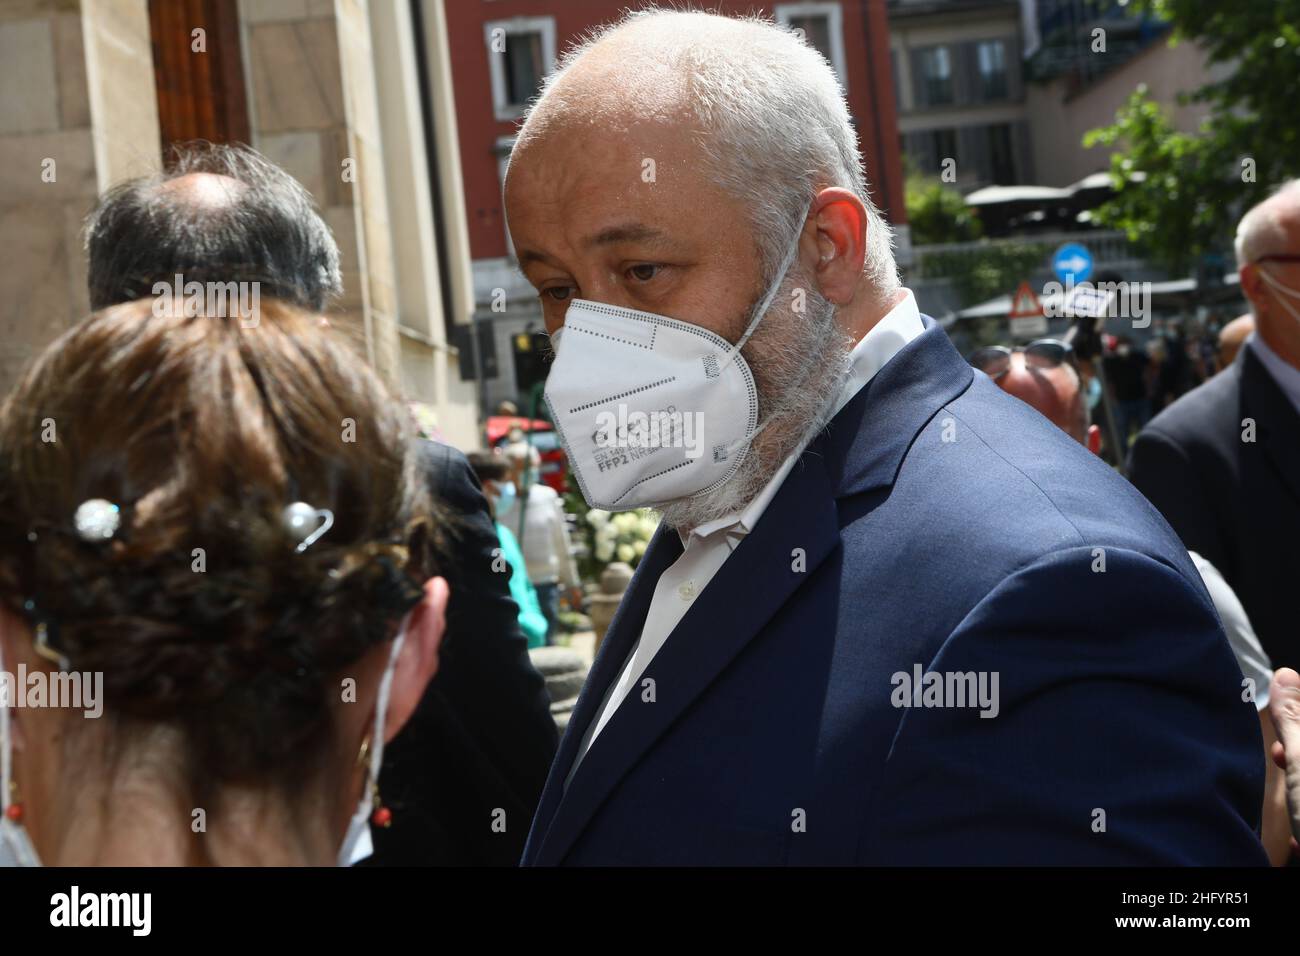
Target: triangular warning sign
column 1024, row 303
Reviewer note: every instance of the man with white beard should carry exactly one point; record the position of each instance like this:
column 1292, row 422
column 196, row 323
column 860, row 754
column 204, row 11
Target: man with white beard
column 687, row 196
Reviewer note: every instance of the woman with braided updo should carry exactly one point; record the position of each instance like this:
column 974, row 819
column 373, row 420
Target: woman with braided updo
column 221, row 522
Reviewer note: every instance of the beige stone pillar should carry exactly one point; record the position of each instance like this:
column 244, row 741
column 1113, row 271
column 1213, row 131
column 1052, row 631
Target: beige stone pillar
column 312, row 109
column 77, row 112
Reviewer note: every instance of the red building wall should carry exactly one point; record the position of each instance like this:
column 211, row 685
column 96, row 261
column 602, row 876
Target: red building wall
column 866, row 55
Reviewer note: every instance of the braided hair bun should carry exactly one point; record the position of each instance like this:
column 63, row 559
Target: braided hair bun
column 199, row 610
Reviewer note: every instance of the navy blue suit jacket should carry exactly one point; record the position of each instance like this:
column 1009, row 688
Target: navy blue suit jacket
column 935, row 522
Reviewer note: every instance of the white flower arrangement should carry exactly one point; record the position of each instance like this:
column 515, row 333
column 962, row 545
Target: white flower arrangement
column 622, row 536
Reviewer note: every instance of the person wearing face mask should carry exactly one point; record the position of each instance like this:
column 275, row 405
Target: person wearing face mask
column 534, row 514
column 1222, row 464
column 884, row 620
column 1126, row 374
column 257, row 601
column 493, row 473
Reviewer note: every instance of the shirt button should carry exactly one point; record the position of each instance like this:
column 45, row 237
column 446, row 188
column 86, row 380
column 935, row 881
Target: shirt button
column 687, row 590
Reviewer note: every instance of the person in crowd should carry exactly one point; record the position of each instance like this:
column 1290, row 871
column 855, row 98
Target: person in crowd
column 1043, row 375
column 1172, row 370
column 465, row 779
column 1154, row 375
column 1127, row 374
column 201, row 539
column 1232, row 337
column 1222, row 464
column 535, row 513
column 492, row 472
column 855, row 526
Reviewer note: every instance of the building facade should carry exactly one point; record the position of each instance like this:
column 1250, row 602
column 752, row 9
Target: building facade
column 351, row 96
column 961, row 97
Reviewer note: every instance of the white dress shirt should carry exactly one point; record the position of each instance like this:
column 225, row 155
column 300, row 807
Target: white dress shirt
column 1251, row 657
column 709, row 545
column 1279, row 369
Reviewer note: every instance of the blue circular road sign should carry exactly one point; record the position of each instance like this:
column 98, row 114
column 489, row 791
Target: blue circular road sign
column 1072, row 263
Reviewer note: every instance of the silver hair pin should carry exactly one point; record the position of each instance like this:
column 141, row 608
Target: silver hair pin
column 97, row 519
column 42, row 647
column 307, row 523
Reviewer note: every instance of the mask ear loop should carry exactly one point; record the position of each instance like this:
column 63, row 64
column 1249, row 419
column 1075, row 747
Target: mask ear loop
column 767, row 299
column 6, row 743
column 381, row 711
column 24, row 853
column 759, row 313
column 1284, row 289
column 1279, row 286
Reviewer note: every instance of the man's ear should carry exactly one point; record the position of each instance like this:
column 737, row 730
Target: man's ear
column 1252, row 286
column 417, row 661
column 841, row 221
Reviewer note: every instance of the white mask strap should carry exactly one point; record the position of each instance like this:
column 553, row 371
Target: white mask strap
column 1285, row 290
column 1281, row 287
column 767, row 299
column 14, row 837
column 6, row 742
column 381, row 707
column 356, row 842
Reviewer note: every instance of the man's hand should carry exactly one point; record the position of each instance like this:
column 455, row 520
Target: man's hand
column 1284, row 708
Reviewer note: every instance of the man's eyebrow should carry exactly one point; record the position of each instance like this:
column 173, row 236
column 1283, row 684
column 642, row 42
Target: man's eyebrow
column 624, row 232
column 528, row 256
column 627, row 232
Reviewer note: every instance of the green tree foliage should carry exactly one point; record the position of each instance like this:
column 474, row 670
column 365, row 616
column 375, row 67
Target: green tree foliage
column 938, row 213
column 1193, row 186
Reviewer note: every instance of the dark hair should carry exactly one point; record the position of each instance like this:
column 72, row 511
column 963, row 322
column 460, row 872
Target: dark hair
column 488, row 467
column 265, row 229
column 203, row 431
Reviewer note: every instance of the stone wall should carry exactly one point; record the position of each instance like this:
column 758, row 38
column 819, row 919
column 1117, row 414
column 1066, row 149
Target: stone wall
column 77, row 112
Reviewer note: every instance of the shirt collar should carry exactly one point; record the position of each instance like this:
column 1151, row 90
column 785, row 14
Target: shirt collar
column 882, row 342
column 1279, row 369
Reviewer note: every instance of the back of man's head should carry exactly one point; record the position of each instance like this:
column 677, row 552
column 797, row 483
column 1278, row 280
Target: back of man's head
column 1057, row 393
column 217, row 214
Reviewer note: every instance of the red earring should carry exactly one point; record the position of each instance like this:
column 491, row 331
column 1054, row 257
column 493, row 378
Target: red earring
column 382, row 817
column 14, row 811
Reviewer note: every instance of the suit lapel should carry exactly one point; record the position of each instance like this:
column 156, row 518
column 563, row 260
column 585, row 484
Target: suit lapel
column 750, row 587
column 664, row 548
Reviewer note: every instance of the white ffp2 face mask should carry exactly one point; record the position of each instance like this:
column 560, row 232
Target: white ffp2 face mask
column 652, row 410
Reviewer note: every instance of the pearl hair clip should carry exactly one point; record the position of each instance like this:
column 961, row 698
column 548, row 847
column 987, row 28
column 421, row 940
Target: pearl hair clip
column 97, row 519
column 307, row 523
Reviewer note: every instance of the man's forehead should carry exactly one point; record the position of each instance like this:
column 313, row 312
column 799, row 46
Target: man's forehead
column 603, row 187
column 576, row 154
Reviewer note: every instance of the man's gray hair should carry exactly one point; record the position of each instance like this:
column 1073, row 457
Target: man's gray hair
column 775, row 127
column 1261, row 231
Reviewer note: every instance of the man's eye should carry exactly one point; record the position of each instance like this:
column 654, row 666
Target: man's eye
column 558, row 293
column 644, row 272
